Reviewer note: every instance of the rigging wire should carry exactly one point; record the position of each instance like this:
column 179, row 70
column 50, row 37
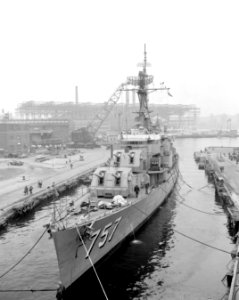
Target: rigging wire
column 191, row 238
column 21, row 259
column 196, row 209
column 201, row 211
column 50, row 289
column 183, row 180
column 68, row 212
column 200, row 242
column 183, row 200
column 181, row 177
column 92, row 264
column 28, row 290
column 186, row 183
column 38, row 240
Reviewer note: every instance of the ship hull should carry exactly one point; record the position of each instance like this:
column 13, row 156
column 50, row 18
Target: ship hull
column 75, row 257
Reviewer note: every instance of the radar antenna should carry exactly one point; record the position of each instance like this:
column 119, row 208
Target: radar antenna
column 142, row 81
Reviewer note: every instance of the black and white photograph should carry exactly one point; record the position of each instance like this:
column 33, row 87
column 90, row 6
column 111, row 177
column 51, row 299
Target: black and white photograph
column 119, row 150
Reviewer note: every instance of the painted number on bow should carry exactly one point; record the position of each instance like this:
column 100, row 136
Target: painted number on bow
column 115, row 226
column 105, row 233
column 94, row 237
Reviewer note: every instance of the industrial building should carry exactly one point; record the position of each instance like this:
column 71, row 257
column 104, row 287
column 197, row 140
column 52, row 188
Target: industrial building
column 51, row 123
column 121, row 117
column 20, row 136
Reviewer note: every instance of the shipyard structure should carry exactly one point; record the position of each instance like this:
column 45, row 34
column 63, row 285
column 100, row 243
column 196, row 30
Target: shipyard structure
column 51, row 124
column 120, row 118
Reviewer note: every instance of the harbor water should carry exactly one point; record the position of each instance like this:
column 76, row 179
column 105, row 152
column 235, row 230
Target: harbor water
column 168, row 258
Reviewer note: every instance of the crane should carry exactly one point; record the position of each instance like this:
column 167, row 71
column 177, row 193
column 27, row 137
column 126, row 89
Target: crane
column 86, row 135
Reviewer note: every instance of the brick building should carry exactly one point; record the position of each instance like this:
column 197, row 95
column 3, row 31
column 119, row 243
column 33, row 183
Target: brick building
column 18, row 136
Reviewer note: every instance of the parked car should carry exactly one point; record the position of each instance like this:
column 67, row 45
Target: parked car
column 12, row 155
column 16, row 163
column 41, row 158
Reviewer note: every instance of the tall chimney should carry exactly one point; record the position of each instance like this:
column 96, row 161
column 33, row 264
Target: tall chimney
column 76, row 95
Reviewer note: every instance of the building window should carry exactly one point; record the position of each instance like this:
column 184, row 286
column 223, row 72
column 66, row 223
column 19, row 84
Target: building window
column 131, row 158
column 101, row 178
column 117, row 178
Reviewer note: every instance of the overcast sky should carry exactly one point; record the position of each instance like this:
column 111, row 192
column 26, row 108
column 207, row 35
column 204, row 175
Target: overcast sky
column 49, row 47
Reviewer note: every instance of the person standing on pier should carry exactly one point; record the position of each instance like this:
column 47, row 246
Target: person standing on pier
column 136, row 189
column 30, row 189
column 26, row 190
column 39, row 183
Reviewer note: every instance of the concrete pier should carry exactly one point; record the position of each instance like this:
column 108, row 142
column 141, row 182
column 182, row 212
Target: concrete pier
column 224, row 165
column 57, row 175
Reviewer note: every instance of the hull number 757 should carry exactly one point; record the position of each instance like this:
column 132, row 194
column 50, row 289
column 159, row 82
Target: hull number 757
column 106, row 233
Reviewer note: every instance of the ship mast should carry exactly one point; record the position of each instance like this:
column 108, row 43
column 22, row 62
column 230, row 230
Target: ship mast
column 144, row 81
column 145, row 58
column 141, row 82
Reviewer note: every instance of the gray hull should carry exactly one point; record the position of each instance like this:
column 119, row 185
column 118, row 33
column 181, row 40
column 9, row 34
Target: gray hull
column 74, row 259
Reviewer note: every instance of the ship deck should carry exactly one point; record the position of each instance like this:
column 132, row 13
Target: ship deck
column 81, row 215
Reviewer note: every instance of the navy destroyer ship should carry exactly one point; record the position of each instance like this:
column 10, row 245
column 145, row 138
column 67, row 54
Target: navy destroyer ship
column 123, row 195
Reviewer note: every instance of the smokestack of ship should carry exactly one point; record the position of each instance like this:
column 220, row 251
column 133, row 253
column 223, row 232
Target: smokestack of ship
column 76, row 95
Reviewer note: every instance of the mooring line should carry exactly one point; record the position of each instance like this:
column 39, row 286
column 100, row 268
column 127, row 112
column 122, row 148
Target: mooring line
column 200, row 242
column 196, row 209
column 201, row 211
column 21, row 259
column 101, row 285
column 27, row 290
column 199, row 189
column 193, row 239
